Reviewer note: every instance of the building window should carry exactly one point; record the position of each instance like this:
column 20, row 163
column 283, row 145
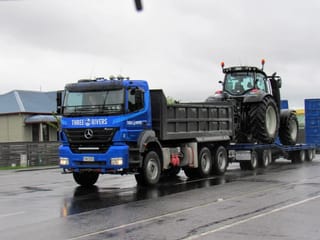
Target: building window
column 35, row 132
column 40, row 132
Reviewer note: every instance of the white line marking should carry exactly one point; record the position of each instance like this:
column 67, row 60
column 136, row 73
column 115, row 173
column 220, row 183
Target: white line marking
column 11, row 214
column 251, row 218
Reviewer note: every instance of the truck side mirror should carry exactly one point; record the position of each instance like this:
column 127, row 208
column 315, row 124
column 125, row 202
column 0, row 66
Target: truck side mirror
column 59, row 102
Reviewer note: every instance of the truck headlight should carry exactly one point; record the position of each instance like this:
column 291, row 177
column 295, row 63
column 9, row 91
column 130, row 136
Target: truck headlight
column 117, row 161
column 64, row 161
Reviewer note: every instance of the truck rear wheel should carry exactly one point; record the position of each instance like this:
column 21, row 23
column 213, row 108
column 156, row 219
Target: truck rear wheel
column 264, row 120
column 288, row 132
column 205, row 162
column 150, row 172
column 85, row 179
column 220, row 160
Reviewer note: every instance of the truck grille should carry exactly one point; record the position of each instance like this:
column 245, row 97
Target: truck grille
column 90, row 140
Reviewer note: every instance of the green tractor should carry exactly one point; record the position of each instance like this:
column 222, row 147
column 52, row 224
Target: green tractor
column 256, row 96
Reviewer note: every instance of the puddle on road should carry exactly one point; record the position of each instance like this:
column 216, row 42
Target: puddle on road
column 87, row 199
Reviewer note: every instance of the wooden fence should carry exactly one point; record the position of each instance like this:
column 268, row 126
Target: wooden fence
column 28, row 154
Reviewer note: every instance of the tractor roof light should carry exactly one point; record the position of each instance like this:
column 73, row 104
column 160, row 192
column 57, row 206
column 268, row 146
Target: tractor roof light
column 262, row 63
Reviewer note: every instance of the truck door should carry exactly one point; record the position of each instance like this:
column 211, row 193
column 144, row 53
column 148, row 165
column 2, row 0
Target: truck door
column 137, row 119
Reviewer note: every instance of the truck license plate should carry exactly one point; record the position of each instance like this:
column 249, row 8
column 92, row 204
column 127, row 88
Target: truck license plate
column 88, row 159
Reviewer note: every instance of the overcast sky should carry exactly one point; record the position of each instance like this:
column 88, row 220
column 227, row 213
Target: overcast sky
column 176, row 45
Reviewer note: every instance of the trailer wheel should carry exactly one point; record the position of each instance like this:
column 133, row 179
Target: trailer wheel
column 86, row 179
column 220, row 160
column 288, row 132
column 150, row 172
column 252, row 164
column 205, row 162
column 298, row 156
column 265, row 158
column 309, row 155
column 264, row 120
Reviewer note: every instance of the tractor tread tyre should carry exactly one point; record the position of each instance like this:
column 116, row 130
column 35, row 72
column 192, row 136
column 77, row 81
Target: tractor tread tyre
column 264, row 120
column 288, row 132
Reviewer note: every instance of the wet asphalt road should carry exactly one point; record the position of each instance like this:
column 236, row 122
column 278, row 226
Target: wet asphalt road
column 281, row 202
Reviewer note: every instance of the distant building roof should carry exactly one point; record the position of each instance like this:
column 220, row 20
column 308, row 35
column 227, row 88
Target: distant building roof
column 21, row 101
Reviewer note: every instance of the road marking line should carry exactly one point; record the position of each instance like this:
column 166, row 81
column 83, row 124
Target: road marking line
column 11, row 214
column 251, row 218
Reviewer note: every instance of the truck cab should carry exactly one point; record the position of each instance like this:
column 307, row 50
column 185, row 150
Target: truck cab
column 101, row 119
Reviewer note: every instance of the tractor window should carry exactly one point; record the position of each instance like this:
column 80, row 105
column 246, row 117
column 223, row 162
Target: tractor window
column 261, row 82
column 238, row 82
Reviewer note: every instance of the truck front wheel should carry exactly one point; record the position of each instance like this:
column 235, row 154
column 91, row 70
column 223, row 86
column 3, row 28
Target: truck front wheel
column 86, row 179
column 150, row 172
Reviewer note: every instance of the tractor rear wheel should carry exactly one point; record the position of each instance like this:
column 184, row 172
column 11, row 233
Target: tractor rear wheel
column 264, row 120
column 288, row 132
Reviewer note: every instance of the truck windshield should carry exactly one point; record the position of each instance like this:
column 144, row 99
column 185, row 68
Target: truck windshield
column 237, row 83
column 107, row 102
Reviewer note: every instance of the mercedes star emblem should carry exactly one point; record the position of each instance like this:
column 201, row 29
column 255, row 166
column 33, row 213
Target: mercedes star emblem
column 88, row 134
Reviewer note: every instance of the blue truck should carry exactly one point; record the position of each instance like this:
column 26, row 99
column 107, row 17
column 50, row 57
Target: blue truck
column 120, row 126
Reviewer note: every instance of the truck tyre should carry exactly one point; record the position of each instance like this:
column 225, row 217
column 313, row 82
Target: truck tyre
column 220, row 160
column 150, row 172
column 86, row 179
column 264, row 120
column 288, row 132
column 253, row 163
column 297, row 156
column 309, row 155
column 205, row 163
column 265, row 158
